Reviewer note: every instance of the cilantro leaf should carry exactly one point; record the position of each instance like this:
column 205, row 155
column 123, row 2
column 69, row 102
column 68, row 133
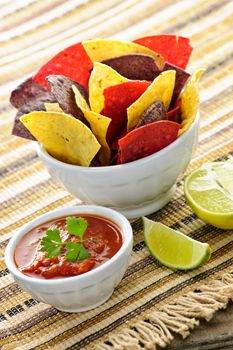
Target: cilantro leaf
column 83, row 253
column 76, row 226
column 73, row 249
column 51, row 242
column 53, row 234
column 46, row 244
column 53, row 251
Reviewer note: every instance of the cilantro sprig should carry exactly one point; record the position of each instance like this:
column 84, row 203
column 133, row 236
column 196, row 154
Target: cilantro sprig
column 52, row 243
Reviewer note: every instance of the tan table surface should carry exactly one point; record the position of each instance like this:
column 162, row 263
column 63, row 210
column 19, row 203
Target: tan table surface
column 32, row 31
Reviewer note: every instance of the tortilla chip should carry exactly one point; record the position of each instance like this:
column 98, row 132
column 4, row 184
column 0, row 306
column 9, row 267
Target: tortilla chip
column 174, row 113
column 102, row 49
column 79, row 99
column 181, row 78
column 147, row 139
column 154, row 113
column 28, row 96
column 73, row 62
column 99, row 125
column 116, row 159
column 61, row 88
column 175, row 49
column 135, row 66
column 101, row 77
column 64, row 137
column 117, row 99
column 37, row 104
column 28, row 91
column 52, row 107
column 189, row 101
column 160, row 89
column 19, row 129
column 114, row 145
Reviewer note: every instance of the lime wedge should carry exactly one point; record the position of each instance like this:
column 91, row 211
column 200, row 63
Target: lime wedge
column 172, row 248
column 209, row 192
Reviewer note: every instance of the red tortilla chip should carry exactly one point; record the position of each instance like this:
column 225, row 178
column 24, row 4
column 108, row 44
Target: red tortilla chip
column 117, row 99
column 175, row 49
column 118, row 161
column 147, row 139
column 174, row 114
column 73, row 62
column 114, row 144
column 115, row 159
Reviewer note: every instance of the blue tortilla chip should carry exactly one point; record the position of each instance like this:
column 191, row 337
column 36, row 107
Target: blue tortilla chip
column 181, row 78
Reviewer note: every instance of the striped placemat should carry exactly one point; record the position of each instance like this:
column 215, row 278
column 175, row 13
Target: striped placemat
column 151, row 302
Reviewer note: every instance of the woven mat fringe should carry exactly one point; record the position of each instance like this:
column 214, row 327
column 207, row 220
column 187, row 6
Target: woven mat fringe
column 179, row 317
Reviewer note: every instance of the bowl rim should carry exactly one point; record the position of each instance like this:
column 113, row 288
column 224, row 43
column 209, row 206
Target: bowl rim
column 108, row 213
column 43, row 154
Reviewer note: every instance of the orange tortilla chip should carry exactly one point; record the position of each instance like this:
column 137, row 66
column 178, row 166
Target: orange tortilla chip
column 160, row 89
column 63, row 136
column 189, row 101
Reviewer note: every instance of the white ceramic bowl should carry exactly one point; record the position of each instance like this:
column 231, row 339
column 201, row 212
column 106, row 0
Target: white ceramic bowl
column 83, row 292
column 134, row 189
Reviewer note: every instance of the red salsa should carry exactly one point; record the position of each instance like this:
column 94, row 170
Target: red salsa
column 102, row 239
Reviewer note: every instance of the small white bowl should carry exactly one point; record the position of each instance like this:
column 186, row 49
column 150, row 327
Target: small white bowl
column 83, row 292
column 134, row 189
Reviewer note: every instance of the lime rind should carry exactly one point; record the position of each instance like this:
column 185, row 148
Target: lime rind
column 172, row 248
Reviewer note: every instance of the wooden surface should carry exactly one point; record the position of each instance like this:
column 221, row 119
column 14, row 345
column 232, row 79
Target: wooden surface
column 216, row 334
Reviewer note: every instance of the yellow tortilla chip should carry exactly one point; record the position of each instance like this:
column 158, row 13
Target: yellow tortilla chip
column 160, row 89
column 64, row 137
column 80, row 100
column 52, row 107
column 189, row 101
column 99, row 125
column 102, row 49
column 101, row 77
